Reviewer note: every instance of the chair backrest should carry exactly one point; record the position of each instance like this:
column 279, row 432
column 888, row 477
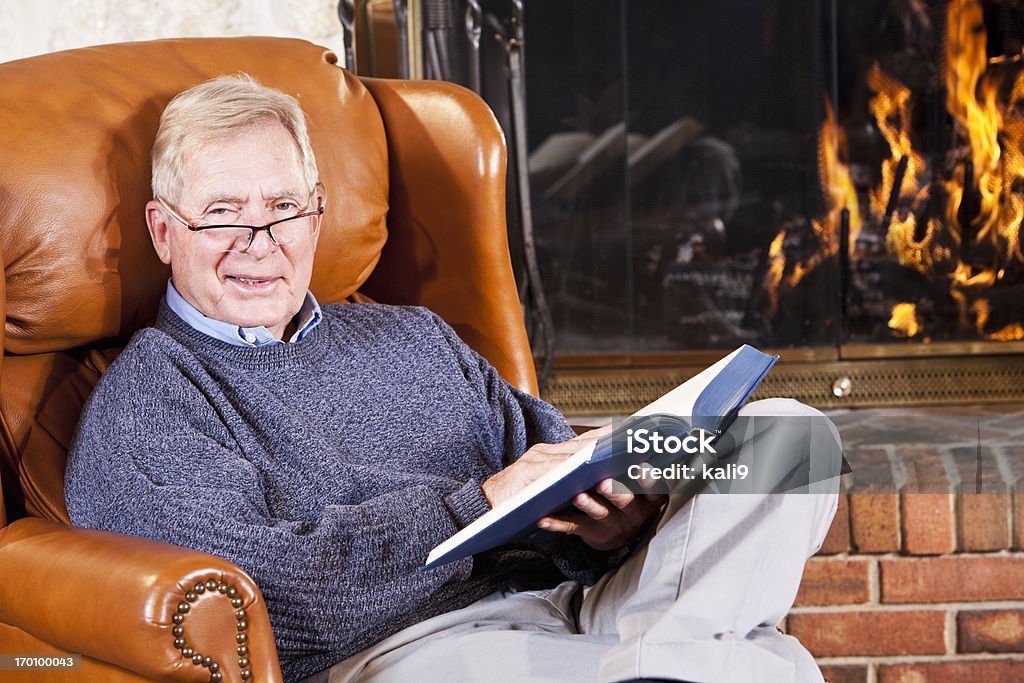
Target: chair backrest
column 416, row 165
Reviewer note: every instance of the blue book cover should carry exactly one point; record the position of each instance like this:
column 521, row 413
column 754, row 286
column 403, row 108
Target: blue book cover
column 707, row 402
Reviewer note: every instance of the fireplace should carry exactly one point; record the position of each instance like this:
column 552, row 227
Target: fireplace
column 842, row 183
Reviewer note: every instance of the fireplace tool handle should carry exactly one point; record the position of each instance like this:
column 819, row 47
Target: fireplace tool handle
column 346, row 14
column 438, row 21
column 474, row 29
column 401, row 9
column 512, row 41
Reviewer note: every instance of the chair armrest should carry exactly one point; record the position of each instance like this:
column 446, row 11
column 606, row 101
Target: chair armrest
column 118, row 599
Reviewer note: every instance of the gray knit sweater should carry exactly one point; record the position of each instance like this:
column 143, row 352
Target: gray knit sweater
column 326, row 468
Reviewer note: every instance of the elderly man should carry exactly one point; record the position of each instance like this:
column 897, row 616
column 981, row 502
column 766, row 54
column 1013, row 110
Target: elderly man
column 327, row 450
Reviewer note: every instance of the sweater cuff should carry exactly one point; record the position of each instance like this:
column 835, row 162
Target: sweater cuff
column 468, row 503
column 581, row 563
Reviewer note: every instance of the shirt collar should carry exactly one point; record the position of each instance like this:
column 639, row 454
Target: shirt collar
column 309, row 316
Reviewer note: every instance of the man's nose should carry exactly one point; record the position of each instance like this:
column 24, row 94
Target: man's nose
column 262, row 244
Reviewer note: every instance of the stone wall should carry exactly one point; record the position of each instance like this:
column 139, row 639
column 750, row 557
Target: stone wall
column 32, row 27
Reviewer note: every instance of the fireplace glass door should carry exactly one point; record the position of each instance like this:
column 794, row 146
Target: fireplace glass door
column 835, row 176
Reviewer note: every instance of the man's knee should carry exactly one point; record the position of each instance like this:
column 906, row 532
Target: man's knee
column 787, row 446
column 779, row 407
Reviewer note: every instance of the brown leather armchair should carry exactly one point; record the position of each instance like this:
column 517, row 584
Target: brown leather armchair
column 415, row 177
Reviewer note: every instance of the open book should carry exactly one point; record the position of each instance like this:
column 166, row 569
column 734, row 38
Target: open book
column 705, row 403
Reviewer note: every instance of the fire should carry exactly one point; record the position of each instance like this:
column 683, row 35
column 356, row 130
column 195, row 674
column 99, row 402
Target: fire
column 1013, row 169
column 891, row 109
column 911, row 252
column 979, row 121
column 835, row 180
column 776, row 267
column 840, row 194
column 1012, row 332
column 904, row 320
column 981, row 310
column 966, row 242
column 892, row 113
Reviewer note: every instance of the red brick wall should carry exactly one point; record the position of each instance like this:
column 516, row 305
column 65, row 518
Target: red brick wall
column 916, row 588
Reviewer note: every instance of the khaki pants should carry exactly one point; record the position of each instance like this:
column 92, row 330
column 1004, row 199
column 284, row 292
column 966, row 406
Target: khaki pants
column 699, row 601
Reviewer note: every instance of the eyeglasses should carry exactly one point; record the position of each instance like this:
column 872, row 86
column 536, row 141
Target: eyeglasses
column 229, row 236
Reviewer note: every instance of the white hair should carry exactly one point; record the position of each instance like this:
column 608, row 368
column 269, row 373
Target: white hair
column 222, row 106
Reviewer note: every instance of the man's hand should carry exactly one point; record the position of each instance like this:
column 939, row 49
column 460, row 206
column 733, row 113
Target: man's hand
column 604, row 520
column 532, row 465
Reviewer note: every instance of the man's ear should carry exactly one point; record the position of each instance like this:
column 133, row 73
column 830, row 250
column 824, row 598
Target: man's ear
column 159, row 230
column 319, row 199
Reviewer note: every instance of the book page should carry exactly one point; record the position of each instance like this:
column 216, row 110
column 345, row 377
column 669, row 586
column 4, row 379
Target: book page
column 552, row 476
column 680, row 400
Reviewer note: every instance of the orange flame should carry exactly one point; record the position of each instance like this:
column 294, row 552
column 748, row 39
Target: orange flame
column 839, row 193
column 979, row 121
column 973, row 100
column 891, row 108
column 991, row 132
column 892, row 111
column 1012, row 332
column 1012, row 210
column 910, row 252
column 904, row 320
column 835, row 181
column 981, row 311
column 776, row 267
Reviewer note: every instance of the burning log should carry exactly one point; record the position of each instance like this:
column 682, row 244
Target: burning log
column 844, row 265
column 970, row 205
column 894, row 193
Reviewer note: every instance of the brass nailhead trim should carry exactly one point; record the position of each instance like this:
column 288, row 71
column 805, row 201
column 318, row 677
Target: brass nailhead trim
column 206, row 661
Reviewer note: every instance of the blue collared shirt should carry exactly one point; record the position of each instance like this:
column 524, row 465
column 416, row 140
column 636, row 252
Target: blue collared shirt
column 253, row 337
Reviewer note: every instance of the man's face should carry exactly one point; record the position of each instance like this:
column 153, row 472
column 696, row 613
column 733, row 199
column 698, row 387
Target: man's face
column 253, row 176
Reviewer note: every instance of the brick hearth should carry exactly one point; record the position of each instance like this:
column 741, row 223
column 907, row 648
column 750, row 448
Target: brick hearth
column 922, row 587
